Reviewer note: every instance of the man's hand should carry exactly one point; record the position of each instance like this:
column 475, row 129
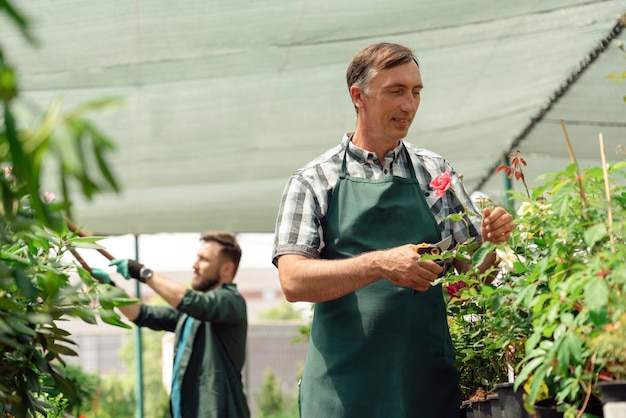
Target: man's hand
column 101, row 275
column 402, row 266
column 496, row 225
column 127, row 268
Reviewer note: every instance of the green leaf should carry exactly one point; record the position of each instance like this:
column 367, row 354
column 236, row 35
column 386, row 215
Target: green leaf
column 594, row 234
column 19, row 19
column 65, row 385
column 20, row 327
column 537, row 380
column 481, row 253
column 61, row 349
column 87, row 245
column 528, row 369
column 112, row 318
column 596, row 294
column 87, row 239
column 561, row 199
column 39, row 318
column 575, row 346
column 51, row 283
column 86, row 315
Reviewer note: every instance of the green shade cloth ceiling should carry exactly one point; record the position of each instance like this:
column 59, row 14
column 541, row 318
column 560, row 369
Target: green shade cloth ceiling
column 224, row 100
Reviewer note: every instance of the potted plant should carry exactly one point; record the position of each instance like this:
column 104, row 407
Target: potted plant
column 610, row 344
column 570, row 279
column 489, row 328
column 555, row 312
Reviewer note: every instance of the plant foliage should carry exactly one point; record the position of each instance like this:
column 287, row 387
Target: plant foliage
column 38, row 288
column 556, row 313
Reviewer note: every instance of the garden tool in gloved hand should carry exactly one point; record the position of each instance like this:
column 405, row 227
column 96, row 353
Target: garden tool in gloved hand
column 131, row 269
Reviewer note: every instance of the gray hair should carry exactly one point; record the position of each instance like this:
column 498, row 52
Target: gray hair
column 373, row 58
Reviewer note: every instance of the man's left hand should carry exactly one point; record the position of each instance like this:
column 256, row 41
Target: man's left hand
column 496, row 225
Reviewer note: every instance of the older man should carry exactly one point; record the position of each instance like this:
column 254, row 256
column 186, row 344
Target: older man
column 345, row 236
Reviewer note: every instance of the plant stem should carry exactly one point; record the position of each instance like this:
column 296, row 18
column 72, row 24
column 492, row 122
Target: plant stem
column 588, row 388
column 607, row 191
column 573, row 159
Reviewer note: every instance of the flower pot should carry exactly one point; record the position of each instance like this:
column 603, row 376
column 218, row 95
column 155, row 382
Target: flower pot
column 481, row 409
column 465, row 411
column 613, row 396
column 511, row 403
column 546, row 408
column 494, row 402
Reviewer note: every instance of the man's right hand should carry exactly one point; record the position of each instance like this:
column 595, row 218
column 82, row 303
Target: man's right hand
column 127, row 267
column 402, row 266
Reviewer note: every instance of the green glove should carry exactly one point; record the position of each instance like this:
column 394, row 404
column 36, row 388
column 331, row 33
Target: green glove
column 130, row 269
column 101, row 275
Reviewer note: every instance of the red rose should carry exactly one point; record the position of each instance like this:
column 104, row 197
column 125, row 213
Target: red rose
column 453, row 290
column 441, row 184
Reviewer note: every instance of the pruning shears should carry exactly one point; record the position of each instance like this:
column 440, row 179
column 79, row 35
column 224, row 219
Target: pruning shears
column 437, row 248
column 434, row 249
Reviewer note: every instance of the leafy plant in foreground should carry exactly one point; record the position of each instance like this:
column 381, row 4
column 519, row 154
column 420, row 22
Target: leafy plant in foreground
column 37, row 289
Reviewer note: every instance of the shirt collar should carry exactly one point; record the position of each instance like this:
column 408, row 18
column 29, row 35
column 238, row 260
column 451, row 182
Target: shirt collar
column 363, row 154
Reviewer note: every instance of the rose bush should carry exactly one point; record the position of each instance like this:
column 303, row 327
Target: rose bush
column 554, row 316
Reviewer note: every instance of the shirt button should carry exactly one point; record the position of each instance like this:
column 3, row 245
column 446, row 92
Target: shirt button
column 385, row 171
column 370, row 156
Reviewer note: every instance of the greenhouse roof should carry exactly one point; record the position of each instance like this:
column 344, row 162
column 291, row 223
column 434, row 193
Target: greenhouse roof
column 224, row 100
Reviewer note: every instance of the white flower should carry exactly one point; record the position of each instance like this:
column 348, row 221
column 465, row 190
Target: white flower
column 508, row 258
column 524, row 208
column 533, row 208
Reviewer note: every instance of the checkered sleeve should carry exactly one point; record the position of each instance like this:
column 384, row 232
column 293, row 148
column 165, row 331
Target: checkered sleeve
column 457, row 200
column 298, row 222
column 461, row 202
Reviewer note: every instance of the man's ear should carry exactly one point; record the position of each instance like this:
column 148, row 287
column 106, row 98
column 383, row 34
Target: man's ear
column 227, row 269
column 357, row 95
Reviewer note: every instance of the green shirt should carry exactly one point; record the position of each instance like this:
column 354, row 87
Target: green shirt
column 214, row 355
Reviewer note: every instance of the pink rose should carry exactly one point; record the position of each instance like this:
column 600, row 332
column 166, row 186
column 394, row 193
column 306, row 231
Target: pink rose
column 441, row 184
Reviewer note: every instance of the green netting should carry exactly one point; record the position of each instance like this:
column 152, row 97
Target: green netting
column 224, row 100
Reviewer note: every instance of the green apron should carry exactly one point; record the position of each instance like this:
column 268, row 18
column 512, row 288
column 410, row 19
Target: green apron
column 381, row 351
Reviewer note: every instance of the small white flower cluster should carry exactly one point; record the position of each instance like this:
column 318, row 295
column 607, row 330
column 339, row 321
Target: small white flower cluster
column 508, row 258
column 529, row 213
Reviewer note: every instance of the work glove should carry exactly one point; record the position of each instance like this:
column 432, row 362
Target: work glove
column 127, row 268
column 101, row 275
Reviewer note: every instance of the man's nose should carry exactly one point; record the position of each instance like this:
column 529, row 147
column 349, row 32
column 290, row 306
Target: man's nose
column 410, row 102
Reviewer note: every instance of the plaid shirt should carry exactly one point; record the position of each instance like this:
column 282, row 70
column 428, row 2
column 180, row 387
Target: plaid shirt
column 308, row 192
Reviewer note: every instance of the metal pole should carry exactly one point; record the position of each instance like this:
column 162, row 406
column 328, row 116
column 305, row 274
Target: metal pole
column 138, row 347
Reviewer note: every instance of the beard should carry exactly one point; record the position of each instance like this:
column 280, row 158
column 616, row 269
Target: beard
column 204, row 284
